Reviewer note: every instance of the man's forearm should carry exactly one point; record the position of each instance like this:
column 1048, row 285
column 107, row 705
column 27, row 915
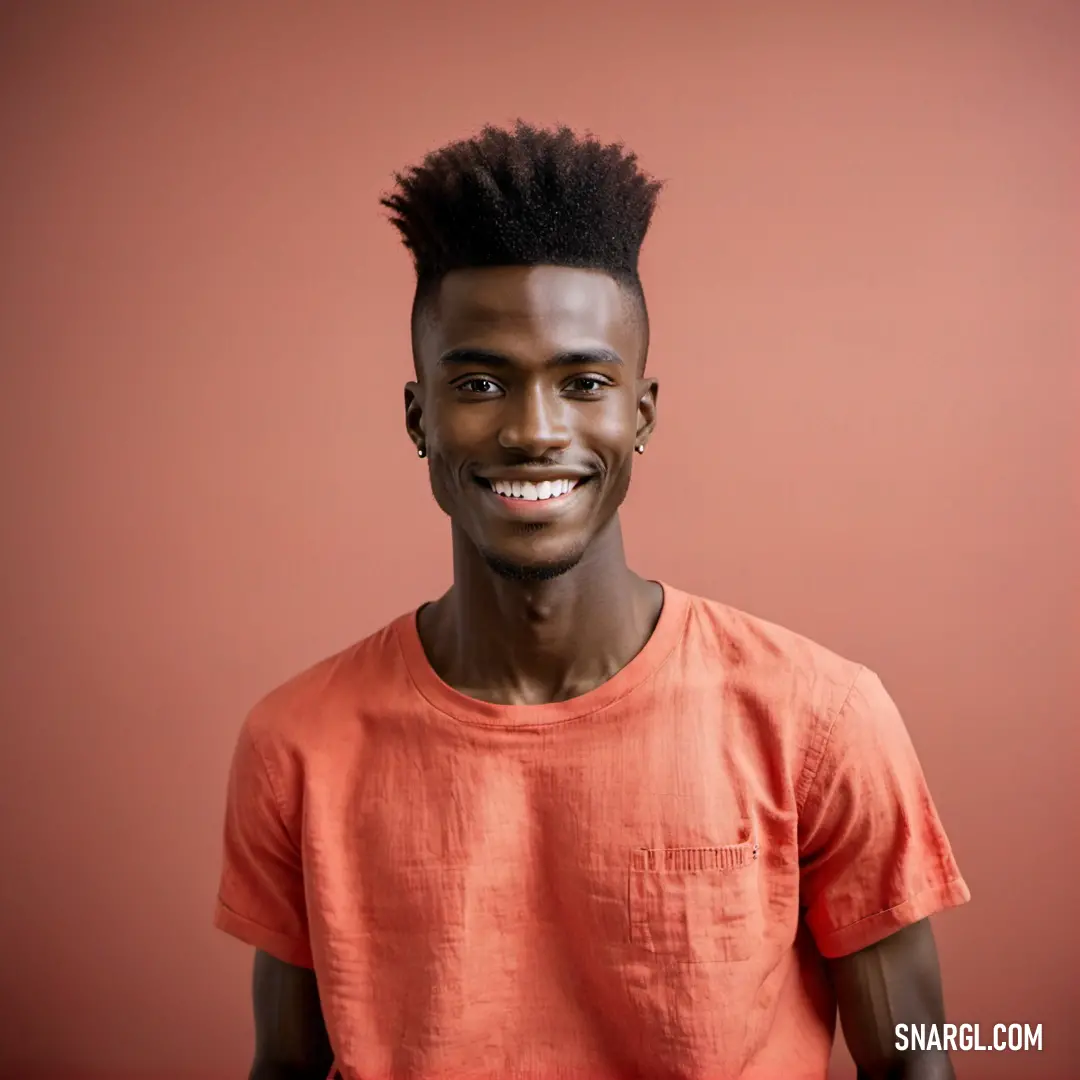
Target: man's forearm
column 928, row 1065
column 270, row 1071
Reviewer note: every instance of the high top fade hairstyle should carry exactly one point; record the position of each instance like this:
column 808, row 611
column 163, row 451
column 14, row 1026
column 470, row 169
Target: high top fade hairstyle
column 526, row 197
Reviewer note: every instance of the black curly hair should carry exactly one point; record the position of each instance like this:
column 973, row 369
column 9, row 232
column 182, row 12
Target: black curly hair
column 524, row 197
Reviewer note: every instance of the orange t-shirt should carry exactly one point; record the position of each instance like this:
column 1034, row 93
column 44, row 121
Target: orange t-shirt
column 641, row 881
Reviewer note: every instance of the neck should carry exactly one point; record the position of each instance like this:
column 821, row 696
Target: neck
column 517, row 643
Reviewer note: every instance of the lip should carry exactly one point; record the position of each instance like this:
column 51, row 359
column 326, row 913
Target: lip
column 535, row 476
column 535, row 509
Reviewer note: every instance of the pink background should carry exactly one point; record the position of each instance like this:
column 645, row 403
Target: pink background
column 863, row 288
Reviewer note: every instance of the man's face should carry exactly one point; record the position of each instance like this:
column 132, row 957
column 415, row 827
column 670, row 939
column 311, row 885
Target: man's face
column 529, row 403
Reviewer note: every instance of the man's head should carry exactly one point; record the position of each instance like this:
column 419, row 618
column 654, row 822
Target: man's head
column 530, row 335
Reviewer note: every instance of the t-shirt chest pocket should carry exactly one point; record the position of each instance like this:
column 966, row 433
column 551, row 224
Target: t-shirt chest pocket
column 696, row 905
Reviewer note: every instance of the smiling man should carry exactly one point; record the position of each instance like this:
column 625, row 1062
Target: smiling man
column 565, row 821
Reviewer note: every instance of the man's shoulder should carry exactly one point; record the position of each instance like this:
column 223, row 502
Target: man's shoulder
column 329, row 690
column 769, row 658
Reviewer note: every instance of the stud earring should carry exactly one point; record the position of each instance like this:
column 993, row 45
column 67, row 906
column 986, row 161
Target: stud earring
column 421, row 452
column 640, row 448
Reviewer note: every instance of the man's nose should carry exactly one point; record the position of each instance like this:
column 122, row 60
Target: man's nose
column 537, row 422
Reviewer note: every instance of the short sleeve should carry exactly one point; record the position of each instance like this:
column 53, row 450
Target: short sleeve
column 261, row 893
column 873, row 854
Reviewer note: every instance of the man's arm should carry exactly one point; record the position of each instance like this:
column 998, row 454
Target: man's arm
column 291, row 1042
column 896, row 981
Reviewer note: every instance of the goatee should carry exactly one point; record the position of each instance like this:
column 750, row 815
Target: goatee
column 529, row 573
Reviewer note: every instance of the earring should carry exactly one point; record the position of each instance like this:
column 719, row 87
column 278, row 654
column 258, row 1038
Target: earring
column 421, row 452
column 640, row 448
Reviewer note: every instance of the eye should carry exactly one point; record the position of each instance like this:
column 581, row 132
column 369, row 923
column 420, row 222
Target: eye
column 587, row 385
column 478, row 384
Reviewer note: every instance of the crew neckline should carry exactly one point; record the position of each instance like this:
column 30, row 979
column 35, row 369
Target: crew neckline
column 467, row 710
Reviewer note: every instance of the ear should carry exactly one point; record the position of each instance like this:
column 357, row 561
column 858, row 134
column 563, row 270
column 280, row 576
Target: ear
column 414, row 413
column 646, row 413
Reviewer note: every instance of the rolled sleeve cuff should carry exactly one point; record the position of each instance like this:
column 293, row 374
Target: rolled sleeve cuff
column 287, row 949
column 844, row 940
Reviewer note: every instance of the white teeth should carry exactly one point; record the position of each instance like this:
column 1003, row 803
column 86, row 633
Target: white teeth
column 525, row 489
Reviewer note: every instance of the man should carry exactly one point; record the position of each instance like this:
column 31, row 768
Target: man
column 565, row 821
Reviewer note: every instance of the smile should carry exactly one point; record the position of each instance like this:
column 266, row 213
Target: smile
column 534, row 500
column 530, row 492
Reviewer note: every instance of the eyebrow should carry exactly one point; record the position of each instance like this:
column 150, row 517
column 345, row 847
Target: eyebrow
column 486, row 358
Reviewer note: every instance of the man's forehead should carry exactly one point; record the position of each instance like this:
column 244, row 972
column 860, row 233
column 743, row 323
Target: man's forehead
column 578, row 301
